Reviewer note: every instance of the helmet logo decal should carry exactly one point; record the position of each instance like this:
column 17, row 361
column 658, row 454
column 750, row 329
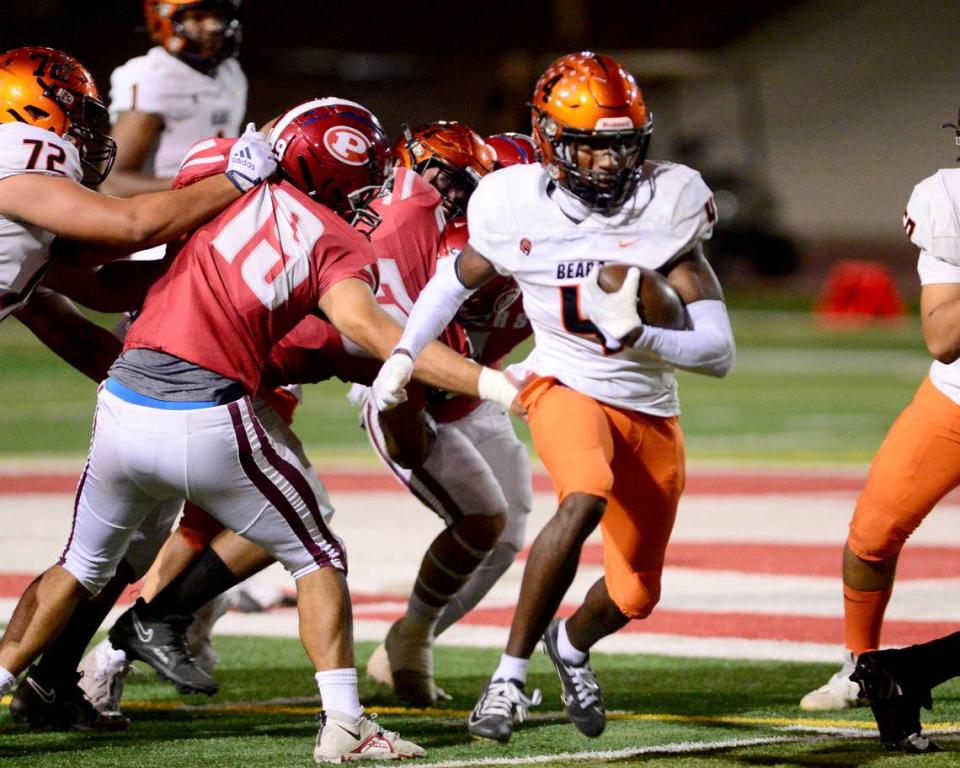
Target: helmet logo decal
column 614, row 123
column 347, row 145
column 526, row 246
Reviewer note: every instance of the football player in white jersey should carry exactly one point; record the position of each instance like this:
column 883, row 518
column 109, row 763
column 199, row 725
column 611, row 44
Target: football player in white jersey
column 53, row 143
column 602, row 396
column 187, row 88
column 918, row 462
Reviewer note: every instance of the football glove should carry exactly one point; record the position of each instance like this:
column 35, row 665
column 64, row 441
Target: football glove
column 388, row 389
column 614, row 314
column 251, row 160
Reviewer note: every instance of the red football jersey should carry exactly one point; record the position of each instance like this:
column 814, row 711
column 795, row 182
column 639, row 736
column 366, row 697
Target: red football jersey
column 405, row 244
column 245, row 279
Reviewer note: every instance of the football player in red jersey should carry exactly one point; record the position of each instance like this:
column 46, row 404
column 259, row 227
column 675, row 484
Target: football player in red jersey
column 191, row 361
column 428, row 443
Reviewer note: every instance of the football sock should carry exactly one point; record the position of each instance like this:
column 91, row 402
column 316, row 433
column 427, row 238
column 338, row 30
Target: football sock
column 568, row 653
column 338, row 692
column 476, row 587
column 7, row 681
column 512, row 668
column 204, row 579
column 445, row 568
column 863, row 618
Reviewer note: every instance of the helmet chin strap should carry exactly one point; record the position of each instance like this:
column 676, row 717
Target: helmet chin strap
column 956, row 127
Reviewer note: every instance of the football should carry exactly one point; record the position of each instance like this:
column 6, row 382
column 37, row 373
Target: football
column 658, row 302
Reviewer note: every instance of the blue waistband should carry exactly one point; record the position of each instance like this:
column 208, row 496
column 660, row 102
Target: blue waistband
column 125, row 393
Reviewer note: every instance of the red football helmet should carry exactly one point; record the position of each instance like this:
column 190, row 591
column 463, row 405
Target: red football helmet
column 494, row 296
column 459, row 154
column 336, row 151
column 165, row 25
column 587, row 101
column 49, row 89
column 512, row 149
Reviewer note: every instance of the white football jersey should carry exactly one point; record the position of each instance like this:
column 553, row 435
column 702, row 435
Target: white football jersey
column 516, row 223
column 24, row 248
column 932, row 222
column 193, row 105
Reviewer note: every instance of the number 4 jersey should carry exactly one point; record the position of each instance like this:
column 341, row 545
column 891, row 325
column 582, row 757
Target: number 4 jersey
column 517, row 224
column 25, row 249
column 245, row 279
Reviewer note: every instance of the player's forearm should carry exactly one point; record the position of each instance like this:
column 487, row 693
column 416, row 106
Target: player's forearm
column 122, row 183
column 708, row 348
column 435, row 307
column 160, row 217
column 441, row 367
column 57, row 323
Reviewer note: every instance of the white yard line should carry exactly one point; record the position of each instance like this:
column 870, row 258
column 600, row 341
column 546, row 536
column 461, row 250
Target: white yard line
column 684, row 747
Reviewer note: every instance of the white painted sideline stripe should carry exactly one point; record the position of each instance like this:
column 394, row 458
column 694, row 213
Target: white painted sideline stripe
column 616, row 754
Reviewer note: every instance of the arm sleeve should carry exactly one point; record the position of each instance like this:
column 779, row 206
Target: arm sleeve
column 434, row 309
column 708, row 348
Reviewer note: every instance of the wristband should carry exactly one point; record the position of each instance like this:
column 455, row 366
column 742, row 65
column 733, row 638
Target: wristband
column 495, row 386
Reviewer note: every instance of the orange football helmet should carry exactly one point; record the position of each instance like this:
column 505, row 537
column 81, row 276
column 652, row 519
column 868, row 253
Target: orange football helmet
column 51, row 90
column 458, row 152
column 165, row 27
column 588, row 101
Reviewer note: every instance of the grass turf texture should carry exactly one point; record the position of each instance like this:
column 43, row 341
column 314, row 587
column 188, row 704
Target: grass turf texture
column 799, row 392
column 264, row 716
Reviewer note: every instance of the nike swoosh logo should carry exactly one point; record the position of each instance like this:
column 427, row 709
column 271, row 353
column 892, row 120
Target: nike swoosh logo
column 145, row 635
column 48, row 696
column 354, row 735
column 628, row 243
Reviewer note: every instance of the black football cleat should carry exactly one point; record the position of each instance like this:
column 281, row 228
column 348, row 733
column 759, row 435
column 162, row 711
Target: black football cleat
column 163, row 646
column 894, row 701
column 60, row 705
column 582, row 698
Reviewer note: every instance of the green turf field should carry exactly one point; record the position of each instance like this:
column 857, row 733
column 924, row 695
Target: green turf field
column 696, row 712
column 797, row 393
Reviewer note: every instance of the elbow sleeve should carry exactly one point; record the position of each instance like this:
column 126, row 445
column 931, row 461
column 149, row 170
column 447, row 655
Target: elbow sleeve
column 707, row 348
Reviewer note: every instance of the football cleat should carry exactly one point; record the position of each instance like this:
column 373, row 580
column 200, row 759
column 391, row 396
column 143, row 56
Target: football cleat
column 340, row 741
column 104, row 671
column 163, row 646
column 61, row 705
column 582, row 698
column 839, row 692
column 894, row 702
column 410, row 656
column 501, row 703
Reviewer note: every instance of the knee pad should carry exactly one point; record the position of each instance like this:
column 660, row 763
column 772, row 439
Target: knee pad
column 635, row 594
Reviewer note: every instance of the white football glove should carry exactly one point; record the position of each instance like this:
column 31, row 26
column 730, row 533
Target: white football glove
column 251, row 160
column 387, row 389
column 615, row 314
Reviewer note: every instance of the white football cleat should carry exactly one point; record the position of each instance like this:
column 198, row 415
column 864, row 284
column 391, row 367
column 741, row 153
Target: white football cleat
column 839, row 692
column 340, row 741
column 410, row 657
column 104, row 671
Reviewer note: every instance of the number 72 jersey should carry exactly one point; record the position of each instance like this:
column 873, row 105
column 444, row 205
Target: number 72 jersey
column 24, row 248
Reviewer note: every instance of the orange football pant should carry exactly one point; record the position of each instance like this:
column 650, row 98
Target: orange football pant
column 633, row 460
column 917, row 464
